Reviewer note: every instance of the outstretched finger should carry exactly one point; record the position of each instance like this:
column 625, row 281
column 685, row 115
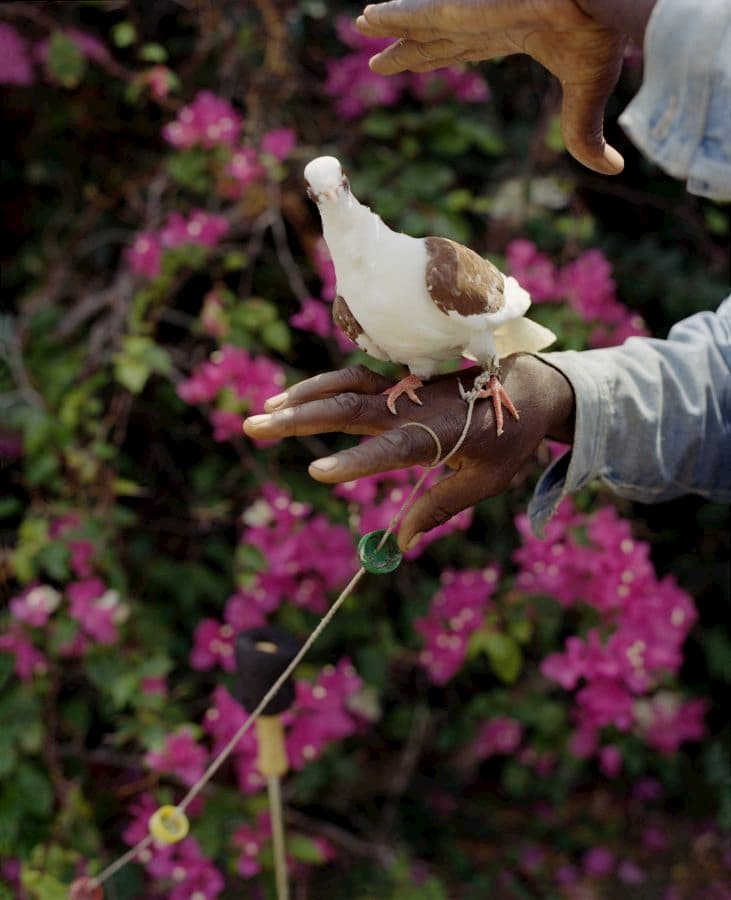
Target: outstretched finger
column 394, row 449
column 359, row 379
column 582, row 120
column 412, row 18
column 424, row 56
column 351, row 413
column 464, row 488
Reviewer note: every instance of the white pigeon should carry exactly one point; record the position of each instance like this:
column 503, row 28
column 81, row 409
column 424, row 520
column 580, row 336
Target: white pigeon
column 418, row 301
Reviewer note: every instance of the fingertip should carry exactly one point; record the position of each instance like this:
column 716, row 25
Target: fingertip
column 614, row 160
column 407, row 541
column 324, row 469
column 276, row 402
column 254, row 424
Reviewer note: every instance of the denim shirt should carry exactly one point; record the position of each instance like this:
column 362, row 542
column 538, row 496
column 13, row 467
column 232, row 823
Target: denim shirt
column 681, row 116
column 653, row 417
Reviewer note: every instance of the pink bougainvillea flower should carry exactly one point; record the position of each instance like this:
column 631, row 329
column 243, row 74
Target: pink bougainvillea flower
column 191, row 874
column 208, row 121
column 28, row 660
column 279, row 143
column 82, row 552
column 253, row 379
column 199, row 227
column 533, row 269
column 213, row 646
column 314, row 316
column 306, row 555
column 243, row 169
column 598, row 862
column 35, row 605
column 665, row 721
column 457, row 610
column 610, row 760
column 226, row 425
column 154, row 686
column 499, row 736
column 180, row 756
column 320, row 714
column 16, row 66
column 221, row 721
column 586, row 283
column 145, row 254
column 97, row 609
column 250, row 840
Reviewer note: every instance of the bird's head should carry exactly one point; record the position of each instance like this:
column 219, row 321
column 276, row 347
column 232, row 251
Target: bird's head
column 325, row 179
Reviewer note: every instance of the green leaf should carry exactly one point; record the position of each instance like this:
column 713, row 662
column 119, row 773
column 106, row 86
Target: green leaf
column 10, row 506
column 554, row 138
column 506, row 657
column 65, row 61
column 139, row 358
column 380, row 125
column 124, row 34
column 41, row 886
column 153, row 53
column 189, row 169
column 304, row 849
column 277, row 336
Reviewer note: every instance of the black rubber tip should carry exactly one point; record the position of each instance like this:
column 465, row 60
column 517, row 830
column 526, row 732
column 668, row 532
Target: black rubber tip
column 262, row 654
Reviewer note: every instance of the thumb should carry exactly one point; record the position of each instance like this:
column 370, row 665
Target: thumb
column 582, row 125
column 445, row 499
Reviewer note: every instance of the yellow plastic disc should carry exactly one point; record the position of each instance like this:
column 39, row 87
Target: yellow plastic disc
column 168, row 825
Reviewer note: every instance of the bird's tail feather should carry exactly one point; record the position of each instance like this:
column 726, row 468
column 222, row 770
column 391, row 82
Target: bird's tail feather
column 522, row 336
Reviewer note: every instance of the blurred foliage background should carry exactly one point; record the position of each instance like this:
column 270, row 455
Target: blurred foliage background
column 501, row 717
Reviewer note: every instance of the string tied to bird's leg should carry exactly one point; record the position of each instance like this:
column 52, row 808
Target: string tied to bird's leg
column 488, row 384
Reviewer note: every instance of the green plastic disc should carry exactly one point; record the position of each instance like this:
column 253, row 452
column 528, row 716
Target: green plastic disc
column 379, row 561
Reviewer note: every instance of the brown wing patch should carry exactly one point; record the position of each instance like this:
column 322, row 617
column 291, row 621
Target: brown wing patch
column 461, row 281
column 345, row 320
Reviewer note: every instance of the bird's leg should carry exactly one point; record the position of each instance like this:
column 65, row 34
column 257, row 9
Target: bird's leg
column 499, row 395
column 406, row 386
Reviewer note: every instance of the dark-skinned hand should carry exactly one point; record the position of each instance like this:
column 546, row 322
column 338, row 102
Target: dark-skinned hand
column 581, row 42
column 351, row 401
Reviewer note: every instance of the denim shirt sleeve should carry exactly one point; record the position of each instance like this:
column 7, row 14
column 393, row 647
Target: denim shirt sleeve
column 653, row 417
column 681, row 116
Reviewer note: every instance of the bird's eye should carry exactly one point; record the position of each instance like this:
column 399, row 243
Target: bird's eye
column 310, row 193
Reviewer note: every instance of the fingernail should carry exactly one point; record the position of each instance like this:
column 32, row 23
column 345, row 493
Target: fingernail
column 254, row 423
column 415, row 540
column 276, row 401
column 326, row 464
column 261, row 419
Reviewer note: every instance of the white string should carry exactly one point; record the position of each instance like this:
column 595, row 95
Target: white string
column 470, row 397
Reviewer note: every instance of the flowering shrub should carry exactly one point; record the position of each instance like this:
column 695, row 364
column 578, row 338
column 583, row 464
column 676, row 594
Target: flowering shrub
column 503, row 716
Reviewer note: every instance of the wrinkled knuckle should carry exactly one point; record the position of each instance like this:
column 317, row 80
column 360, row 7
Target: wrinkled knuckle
column 399, row 445
column 355, row 373
column 438, row 515
column 351, row 404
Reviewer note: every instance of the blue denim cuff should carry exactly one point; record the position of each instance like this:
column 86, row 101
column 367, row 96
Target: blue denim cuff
column 576, row 468
column 680, row 117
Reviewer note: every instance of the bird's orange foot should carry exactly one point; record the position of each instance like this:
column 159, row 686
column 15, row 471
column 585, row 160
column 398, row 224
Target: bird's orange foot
column 406, row 386
column 500, row 398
